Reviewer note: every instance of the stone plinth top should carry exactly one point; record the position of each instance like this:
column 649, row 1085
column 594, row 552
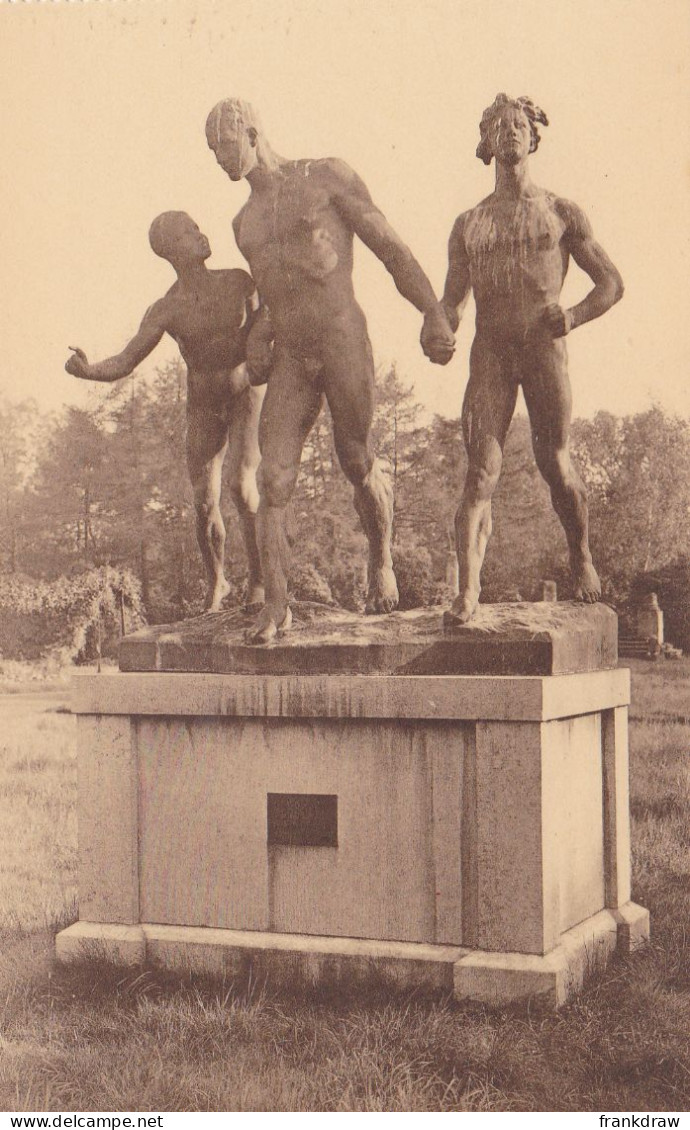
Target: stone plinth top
column 467, row 698
column 542, row 638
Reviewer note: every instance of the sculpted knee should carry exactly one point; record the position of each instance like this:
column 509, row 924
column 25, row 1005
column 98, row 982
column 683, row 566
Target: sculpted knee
column 204, row 505
column 356, row 463
column 276, row 483
column 244, row 492
column 557, row 469
column 482, row 481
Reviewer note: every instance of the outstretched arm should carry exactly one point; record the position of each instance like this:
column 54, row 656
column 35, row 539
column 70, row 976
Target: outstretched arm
column 353, row 202
column 351, row 198
column 591, row 258
column 148, row 335
column 457, row 288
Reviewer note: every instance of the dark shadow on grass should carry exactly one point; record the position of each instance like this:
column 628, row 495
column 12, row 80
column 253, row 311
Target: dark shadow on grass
column 660, row 808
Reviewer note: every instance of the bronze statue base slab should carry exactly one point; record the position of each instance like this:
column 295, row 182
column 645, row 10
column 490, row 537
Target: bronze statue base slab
column 543, row 638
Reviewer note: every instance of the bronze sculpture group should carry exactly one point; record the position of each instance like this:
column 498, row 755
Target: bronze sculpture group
column 298, row 329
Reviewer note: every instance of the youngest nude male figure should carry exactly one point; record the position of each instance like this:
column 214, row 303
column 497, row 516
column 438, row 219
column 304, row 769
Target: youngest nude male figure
column 209, row 315
column 296, row 232
column 513, row 250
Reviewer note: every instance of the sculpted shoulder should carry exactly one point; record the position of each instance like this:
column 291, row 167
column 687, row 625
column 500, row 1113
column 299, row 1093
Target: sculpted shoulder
column 335, row 174
column 575, row 222
column 236, row 278
column 335, row 166
column 465, row 219
column 457, row 232
column 163, row 309
column 484, row 205
column 475, row 224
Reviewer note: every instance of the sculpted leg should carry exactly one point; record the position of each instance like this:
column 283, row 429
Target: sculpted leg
column 349, row 387
column 292, row 403
column 547, row 393
column 473, row 527
column 373, row 499
column 243, row 461
column 207, row 441
column 486, row 414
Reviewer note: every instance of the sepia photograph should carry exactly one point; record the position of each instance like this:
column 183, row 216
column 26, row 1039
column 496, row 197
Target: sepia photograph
column 345, row 560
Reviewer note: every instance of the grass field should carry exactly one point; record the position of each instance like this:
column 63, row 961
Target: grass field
column 106, row 1040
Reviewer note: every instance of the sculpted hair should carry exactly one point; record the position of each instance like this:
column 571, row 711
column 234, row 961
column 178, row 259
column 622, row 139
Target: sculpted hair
column 230, row 113
column 535, row 116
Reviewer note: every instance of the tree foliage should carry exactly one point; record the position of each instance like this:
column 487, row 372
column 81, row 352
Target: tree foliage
column 106, row 488
column 637, row 470
column 20, row 434
column 81, row 616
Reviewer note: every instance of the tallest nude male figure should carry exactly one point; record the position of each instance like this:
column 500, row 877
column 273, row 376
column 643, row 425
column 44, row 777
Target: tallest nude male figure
column 513, row 251
column 296, row 231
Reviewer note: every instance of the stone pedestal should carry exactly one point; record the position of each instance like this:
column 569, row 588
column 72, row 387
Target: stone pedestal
column 649, row 620
column 454, row 832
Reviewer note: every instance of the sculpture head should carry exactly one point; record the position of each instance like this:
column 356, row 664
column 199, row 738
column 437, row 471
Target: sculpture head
column 508, row 129
column 233, row 132
column 175, row 237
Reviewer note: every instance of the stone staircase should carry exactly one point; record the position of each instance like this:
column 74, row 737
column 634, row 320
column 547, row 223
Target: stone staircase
column 632, row 646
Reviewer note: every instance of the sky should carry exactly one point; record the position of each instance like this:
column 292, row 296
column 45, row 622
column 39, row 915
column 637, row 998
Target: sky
column 102, row 123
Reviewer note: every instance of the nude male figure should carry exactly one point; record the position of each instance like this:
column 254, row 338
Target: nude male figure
column 209, row 314
column 513, row 251
column 296, row 231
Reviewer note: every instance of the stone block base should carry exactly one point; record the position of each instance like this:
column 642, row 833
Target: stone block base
column 505, row 978
column 363, row 804
column 633, row 927
column 300, row 962
column 96, row 941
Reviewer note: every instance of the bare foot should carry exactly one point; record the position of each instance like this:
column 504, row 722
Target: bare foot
column 254, row 597
column 461, row 611
column 383, row 592
column 217, row 595
column 267, row 628
column 586, row 583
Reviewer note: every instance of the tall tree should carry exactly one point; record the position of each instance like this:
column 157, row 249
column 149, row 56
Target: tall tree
column 132, row 477
column 638, row 473
column 19, row 427
column 66, row 506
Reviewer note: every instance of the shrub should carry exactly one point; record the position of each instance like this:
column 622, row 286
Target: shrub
column 81, row 616
column 348, row 581
column 307, row 583
column 414, row 573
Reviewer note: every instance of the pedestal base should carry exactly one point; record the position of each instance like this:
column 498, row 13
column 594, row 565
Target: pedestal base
column 398, row 822
column 298, row 961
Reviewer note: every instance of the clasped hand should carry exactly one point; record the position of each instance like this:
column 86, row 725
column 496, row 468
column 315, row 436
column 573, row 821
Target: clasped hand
column 437, row 340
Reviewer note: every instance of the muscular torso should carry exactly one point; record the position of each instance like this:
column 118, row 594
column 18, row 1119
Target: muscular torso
column 299, row 250
column 210, row 327
column 517, row 257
